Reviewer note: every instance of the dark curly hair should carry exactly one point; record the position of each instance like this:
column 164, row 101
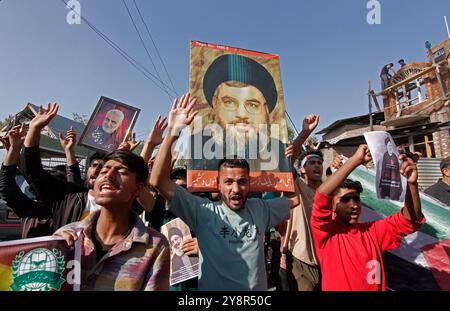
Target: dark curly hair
column 234, row 163
column 350, row 184
column 133, row 162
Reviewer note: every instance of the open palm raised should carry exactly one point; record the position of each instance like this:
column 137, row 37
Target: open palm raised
column 155, row 137
column 68, row 142
column 42, row 117
column 16, row 136
column 181, row 114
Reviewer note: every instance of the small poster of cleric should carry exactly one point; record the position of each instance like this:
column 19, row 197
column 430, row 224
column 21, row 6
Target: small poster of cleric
column 390, row 184
column 241, row 114
column 39, row 264
column 109, row 125
column 182, row 266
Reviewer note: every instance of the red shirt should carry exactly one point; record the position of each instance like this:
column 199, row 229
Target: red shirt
column 350, row 256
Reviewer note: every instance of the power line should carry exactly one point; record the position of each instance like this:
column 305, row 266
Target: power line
column 292, row 123
column 122, row 53
column 142, row 41
column 154, row 44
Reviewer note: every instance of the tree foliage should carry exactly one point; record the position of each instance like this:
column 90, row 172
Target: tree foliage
column 80, row 118
column 6, row 121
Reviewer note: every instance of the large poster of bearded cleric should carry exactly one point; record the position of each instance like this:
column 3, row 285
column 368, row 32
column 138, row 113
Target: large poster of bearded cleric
column 39, row 264
column 241, row 114
column 109, row 125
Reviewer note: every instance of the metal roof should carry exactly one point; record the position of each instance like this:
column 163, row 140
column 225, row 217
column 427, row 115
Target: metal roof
column 378, row 117
column 49, row 142
column 400, row 135
column 61, row 124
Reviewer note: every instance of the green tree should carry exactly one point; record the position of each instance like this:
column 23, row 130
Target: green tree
column 291, row 133
column 7, row 120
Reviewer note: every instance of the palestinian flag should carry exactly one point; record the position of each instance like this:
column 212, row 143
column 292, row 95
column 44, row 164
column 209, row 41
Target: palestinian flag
column 422, row 262
column 38, row 264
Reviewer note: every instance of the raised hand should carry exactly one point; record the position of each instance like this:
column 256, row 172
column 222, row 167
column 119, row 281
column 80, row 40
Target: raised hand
column 362, row 155
column 155, row 137
column 289, row 152
column 68, row 142
column 408, row 168
column 181, row 115
column 42, row 117
column 337, row 163
column 16, row 136
column 310, row 123
column 124, row 146
column 14, row 141
column 130, row 143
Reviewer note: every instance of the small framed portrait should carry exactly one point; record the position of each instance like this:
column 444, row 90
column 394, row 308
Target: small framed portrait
column 109, row 125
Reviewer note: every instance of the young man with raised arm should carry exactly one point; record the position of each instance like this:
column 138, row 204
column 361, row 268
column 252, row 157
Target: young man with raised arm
column 230, row 232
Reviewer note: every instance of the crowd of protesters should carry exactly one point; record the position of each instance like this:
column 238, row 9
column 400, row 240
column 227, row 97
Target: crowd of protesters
column 320, row 245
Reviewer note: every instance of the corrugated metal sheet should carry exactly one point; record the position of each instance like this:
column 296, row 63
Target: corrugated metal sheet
column 429, row 172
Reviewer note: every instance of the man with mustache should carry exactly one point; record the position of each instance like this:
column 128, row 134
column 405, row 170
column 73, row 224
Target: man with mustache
column 118, row 251
column 230, row 232
column 350, row 253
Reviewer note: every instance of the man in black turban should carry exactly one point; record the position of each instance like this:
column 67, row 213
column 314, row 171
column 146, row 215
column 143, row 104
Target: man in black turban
column 390, row 183
column 242, row 94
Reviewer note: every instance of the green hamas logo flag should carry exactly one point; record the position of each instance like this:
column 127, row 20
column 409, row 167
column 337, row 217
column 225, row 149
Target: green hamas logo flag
column 38, row 270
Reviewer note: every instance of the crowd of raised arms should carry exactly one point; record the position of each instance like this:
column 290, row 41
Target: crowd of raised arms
column 116, row 210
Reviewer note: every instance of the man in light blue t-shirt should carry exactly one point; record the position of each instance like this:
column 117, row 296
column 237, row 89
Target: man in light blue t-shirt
column 230, row 232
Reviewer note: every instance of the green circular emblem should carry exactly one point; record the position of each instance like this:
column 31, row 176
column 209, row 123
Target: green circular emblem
column 38, row 270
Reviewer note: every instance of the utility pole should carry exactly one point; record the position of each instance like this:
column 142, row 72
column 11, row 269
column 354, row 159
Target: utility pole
column 446, row 25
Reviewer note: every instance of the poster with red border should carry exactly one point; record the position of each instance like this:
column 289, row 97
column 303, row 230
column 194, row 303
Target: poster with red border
column 241, row 114
column 39, row 264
